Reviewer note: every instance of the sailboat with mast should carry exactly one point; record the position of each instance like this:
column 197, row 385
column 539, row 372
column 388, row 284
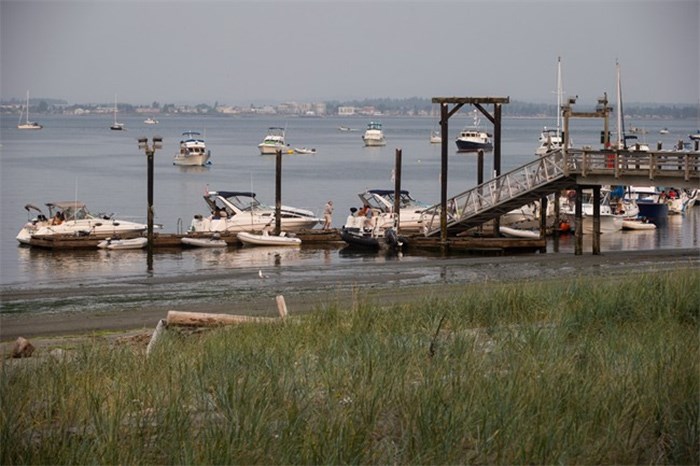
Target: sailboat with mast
column 116, row 126
column 552, row 139
column 622, row 136
column 27, row 124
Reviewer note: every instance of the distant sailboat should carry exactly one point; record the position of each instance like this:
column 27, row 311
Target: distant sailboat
column 116, row 126
column 27, row 124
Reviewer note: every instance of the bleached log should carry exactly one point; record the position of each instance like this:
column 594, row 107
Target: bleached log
column 281, row 306
column 203, row 319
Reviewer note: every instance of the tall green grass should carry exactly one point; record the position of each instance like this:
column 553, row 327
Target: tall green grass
column 586, row 371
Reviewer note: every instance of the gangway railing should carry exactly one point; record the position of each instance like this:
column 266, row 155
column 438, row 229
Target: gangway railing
column 559, row 170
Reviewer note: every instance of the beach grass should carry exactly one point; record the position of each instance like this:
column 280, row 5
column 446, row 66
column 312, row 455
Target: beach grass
column 586, row 371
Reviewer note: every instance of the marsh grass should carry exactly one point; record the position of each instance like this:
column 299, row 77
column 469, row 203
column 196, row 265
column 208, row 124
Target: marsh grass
column 587, row 371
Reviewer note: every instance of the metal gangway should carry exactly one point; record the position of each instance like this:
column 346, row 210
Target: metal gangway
column 563, row 170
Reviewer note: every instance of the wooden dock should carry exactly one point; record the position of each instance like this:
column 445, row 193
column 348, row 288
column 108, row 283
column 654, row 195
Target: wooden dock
column 311, row 238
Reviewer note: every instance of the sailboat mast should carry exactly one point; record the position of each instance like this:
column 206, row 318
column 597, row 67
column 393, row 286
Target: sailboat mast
column 621, row 143
column 559, row 96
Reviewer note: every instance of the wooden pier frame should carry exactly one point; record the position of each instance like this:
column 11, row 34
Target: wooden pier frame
column 445, row 114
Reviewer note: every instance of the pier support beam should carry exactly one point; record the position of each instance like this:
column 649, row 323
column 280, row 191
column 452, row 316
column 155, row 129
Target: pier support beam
column 278, row 192
column 397, row 191
column 596, row 220
column 578, row 222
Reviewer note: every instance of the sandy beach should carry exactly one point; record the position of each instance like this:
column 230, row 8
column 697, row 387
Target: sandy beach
column 137, row 307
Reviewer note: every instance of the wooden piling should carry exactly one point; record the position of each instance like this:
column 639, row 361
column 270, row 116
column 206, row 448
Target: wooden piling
column 278, row 192
column 397, row 191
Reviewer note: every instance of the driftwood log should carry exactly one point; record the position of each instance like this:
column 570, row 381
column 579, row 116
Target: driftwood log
column 203, row 319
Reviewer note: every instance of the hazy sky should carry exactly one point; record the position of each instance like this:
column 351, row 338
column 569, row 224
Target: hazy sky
column 243, row 52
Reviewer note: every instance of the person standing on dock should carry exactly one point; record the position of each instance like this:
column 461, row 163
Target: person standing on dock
column 328, row 215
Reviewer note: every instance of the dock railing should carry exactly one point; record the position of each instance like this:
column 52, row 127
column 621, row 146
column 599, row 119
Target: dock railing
column 577, row 164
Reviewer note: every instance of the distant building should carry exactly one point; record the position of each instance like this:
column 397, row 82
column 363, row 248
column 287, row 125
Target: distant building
column 346, row 111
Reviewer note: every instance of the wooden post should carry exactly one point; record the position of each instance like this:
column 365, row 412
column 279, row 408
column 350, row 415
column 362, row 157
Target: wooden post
column 444, row 116
column 397, row 191
column 497, row 154
column 149, row 213
column 278, row 192
column 596, row 220
column 578, row 224
column 281, row 306
column 480, row 167
column 557, row 220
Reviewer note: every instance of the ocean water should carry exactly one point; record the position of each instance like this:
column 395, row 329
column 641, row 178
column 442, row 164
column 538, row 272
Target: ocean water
column 78, row 157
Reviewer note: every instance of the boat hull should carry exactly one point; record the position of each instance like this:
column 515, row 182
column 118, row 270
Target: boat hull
column 192, row 160
column 652, row 210
column 472, row 146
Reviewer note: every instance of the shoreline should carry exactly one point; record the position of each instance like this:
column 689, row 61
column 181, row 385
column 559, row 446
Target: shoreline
column 386, row 283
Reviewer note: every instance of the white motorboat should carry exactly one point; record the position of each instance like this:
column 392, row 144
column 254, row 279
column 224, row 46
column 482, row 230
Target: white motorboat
column 273, row 141
column 304, row 150
column 213, row 241
column 609, row 222
column 695, row 136
column 73, row 218
column 663, row 131
column 381, row 203
column 266, row 239
column 374, row 135
column 193, row 151
column 27, row 124
column 236, row 211
column 150, row 121
column 128, row 243
column 472, row 139
column 116, row 126
column 435, row 137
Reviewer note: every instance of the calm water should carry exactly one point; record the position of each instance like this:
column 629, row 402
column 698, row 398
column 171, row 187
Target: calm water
column 80, row 158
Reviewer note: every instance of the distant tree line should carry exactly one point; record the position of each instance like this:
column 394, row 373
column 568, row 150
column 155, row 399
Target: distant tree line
column 388, row 106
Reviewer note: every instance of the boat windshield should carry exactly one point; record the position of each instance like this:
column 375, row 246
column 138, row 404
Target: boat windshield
column 73, row 210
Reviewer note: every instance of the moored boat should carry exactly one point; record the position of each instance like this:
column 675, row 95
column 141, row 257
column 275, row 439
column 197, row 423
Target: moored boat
column 304, row 150
column 72, row 218
column 123, row 243
column 266, row 239
column 519, row 232
column 150, row 121
column 374, row 135
column 193, row 151
column 213, row 241
column 472, row 139
column 116, row 126
column 236, row 211
column 27, row 124
column 638, row 223
column 381, row 202
column 274, row 141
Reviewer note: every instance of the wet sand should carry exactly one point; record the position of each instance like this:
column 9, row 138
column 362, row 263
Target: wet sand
column 138, row 305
